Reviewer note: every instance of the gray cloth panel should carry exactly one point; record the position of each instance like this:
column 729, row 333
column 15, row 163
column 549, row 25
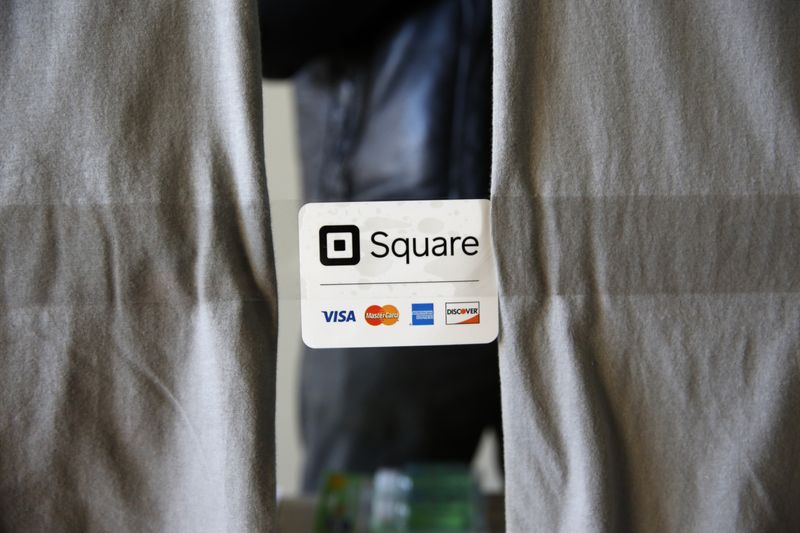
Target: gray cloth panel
column 137, row 293
column 645, row 155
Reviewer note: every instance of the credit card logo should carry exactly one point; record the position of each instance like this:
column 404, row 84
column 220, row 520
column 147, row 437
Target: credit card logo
column 339, row 245
column 375, row 315
column 421, row 314
column 462, row 313
column 339, row 316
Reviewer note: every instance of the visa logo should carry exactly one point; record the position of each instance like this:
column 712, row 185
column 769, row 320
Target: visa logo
column 339, row 316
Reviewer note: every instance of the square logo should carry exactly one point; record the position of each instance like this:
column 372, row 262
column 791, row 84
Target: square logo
column 462, row 313
column 421, row 314
column 339, row 245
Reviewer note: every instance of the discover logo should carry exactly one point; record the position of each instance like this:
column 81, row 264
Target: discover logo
column 462, row 313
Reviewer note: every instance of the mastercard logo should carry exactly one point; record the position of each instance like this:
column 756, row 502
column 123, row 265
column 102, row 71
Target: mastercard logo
column 375, row 315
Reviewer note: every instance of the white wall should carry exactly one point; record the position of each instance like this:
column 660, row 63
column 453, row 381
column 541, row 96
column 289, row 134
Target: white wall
column 283, row 179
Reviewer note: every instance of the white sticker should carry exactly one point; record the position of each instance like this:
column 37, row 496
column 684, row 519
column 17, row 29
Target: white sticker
column 397, row 274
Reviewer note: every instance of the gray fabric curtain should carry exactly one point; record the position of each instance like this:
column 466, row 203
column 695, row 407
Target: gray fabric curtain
column 646, row 161
column 137, row 293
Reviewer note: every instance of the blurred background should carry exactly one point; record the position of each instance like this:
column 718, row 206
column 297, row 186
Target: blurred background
column 284, row 181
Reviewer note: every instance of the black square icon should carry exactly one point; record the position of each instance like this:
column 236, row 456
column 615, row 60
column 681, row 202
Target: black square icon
column 339, row 245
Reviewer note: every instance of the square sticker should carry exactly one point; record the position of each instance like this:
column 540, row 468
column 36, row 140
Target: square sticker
column 397, row 274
